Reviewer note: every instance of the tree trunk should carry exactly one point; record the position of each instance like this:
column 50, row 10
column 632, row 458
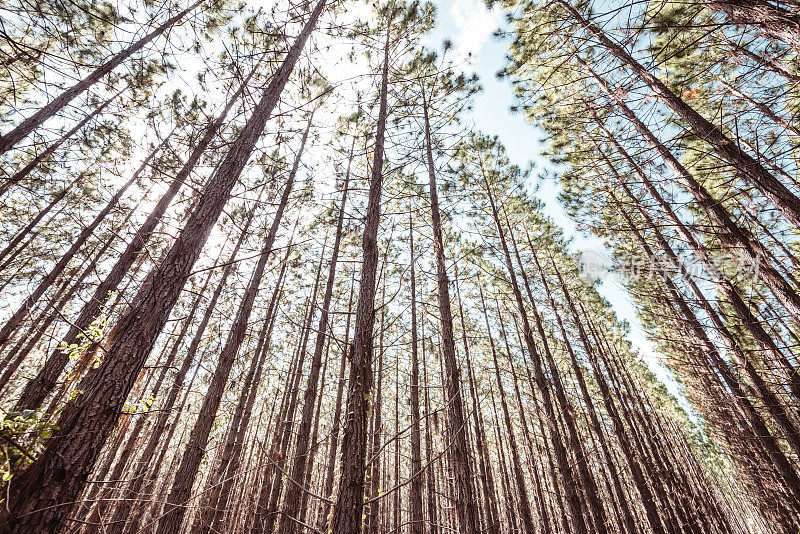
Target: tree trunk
column 416, row 474
column 516, row 465
column 298, row 473
column 350, row 496
column 562, row 460
column 747, row 167
column 327, row 490
column 78, row 242
column 20, row 175
column 465, row 503
column 771, row 19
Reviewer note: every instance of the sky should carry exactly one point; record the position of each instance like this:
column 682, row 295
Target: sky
column 470, row 26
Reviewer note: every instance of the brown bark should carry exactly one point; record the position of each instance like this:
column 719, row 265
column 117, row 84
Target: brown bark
column 627, row 515
column 585, row 476
column 771, row 19
column 42, row 287
column 746, row 166
column 372, row 510
column 770, row 64
column 505, row 478
column 25, row 231
column 350, row 496
column 123, row 514
column 416, row 474
column 544, row 520
column 67, row 291
column 465, row 502
column 562, row 460
column 24, row 171
column 211, row 517
column 516, row 463
column 492, row 515
column 622, row 436
column 337, row 414
column 269, row 515
column 430, row 476
column 298, row 472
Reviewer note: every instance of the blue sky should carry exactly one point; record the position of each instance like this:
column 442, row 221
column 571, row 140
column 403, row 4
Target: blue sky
column 469, row 24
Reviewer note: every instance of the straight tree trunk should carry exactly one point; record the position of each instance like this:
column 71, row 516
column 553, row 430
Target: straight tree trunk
column 505, row 478
column 465, row 502
column 211, row 515
column 585, row 476
column 761, row 432
column 433, row 516
column 372, row 513
column 771, row 19
column 349, row 504
column 78, row 242
column 516, row 464
column 627, row 515
column 416, row 474
column 647, row 498
column 747, row 167
column 69, row 288
column 769, row 64
column 484, row 463
column 123, row 514
column 287, row 422
column 573, row 498
column 298, row 473
column 21, row 174
column 327, row 490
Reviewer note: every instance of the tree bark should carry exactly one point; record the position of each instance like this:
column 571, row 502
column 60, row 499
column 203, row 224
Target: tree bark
column 465, row 503
column 175, row 508
column 350, row 496
column 298, row 473
column 20, row 175
column 562, row 460
column 416, row 474
column 747, row 167
column 771, row 19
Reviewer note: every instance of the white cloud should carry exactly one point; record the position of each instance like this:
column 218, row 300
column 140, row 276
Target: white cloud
column 473, row 24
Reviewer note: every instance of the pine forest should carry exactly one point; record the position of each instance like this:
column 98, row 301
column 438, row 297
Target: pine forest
column 264, row 269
